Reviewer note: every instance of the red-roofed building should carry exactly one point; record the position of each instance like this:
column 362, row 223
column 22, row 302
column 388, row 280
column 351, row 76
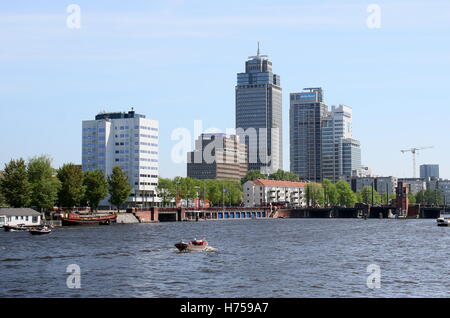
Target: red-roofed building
column 261, row 192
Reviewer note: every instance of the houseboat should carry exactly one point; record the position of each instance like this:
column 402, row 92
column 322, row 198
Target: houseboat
column 91, row 219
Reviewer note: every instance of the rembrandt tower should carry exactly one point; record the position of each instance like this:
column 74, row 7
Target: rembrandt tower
column 259, row 114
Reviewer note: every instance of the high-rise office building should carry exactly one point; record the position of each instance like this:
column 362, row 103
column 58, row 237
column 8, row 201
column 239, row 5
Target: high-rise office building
column 305, row 116
column 429, row 171
column 321, row 140
column 128, row 140
column 341, row 154
column 259, row 114
column 217, row 156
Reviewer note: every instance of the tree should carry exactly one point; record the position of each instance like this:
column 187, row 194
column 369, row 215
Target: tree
column 119, row 189
column 14, row 183
column 411, row 198
column 314, row 194
column 330, row 193
column 166, row 188
column 96, row 187
column 365, row 195
column 72, row 190
column 284, row 175
column 2, row 198
column 346, row 197
column 253, row 175
column 429, row 197
column 44, row 183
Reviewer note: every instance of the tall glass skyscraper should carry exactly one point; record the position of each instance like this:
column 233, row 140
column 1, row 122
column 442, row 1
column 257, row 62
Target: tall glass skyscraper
column 305, row 115
column 321, row 142
column 259, row 114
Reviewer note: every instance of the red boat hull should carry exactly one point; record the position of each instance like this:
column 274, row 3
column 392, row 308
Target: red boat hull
column 88, row 220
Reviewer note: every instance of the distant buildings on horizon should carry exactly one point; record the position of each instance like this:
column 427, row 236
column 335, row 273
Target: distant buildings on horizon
column 321, row 143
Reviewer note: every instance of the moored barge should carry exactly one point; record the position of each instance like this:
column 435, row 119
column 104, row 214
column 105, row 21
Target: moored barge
column 76, row 219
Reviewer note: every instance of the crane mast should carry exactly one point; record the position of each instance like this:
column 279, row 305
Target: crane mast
column 413, row 152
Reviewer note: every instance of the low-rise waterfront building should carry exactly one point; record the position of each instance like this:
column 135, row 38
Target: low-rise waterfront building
column 357, row 183
column 261, row 192
column 414, row 185
column 217, row 156
column 440, row 184
column 19, row 216
column 380, row 184
column 385, row 184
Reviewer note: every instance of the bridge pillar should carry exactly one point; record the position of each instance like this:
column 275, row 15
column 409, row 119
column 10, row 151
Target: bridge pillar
column 154, row 214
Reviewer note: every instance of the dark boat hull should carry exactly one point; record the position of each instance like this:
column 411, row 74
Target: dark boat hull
column 102, row 220
column 39, row 232
column 8, row 228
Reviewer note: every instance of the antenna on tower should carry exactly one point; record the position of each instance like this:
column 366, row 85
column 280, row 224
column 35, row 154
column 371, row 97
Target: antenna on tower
column 257, row 52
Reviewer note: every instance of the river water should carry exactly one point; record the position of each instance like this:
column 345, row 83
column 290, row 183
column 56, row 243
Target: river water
column 254, row 258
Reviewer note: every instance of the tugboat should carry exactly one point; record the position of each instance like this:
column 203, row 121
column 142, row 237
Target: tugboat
column 194, row 245
column 442, row 221
column 39, row 230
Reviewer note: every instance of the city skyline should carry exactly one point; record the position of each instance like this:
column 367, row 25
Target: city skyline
column 378, row 72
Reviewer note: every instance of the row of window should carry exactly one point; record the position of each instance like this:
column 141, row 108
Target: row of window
column 143, row 143
column 146, row 183
column 146, row 159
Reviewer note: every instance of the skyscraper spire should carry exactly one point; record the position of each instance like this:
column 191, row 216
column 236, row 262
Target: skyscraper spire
column 257, row 52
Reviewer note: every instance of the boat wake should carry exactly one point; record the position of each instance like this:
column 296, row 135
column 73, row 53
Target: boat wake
column 206, row 249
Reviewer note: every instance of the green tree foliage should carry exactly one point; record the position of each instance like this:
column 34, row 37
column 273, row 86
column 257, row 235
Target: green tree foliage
column 346, row 197
column 72, row 189
column 217, row 192
column 2, row 198
column 284, row 175
column 253, row 175
column 411, row 198
column 429, row 197
column 96, row 187
column 14, row 183
column 314, row 194
column 44, row 183
column 119, row 189
column 330, row 193
column 166, row 189
column 365, row 195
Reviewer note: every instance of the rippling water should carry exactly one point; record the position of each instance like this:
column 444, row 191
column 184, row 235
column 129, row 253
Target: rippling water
column 254, row 258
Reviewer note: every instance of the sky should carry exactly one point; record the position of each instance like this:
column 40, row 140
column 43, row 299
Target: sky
column 176, row 62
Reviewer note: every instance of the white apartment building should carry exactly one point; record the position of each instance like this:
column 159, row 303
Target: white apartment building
column 128, row 140
column 263, row 192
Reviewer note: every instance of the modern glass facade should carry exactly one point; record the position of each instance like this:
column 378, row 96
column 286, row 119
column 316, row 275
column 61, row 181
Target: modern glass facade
column 429, row 171
column 259, row 114
column 321, row 141
column 305, row 116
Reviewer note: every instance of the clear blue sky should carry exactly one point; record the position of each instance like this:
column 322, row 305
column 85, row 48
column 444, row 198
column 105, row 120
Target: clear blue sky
column 176, row 61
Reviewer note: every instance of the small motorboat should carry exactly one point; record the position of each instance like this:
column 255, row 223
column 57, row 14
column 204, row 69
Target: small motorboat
column 40, row 230
column 194, row 245
column 442, row 221
column 14, row 228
